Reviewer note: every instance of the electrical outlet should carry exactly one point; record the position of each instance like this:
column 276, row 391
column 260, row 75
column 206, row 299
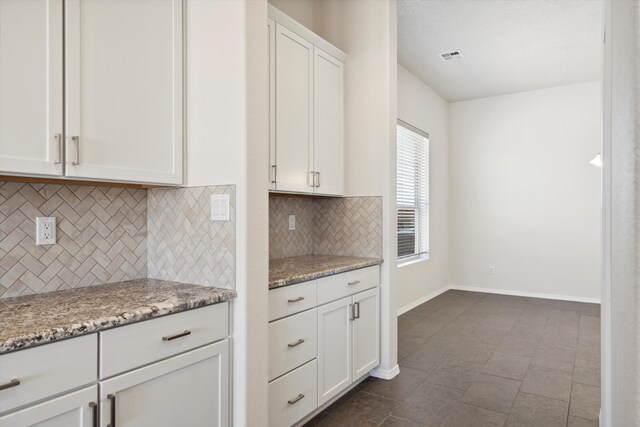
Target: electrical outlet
column 45, row 230
column 292, row 222
column 492, row 270
column 219, row 207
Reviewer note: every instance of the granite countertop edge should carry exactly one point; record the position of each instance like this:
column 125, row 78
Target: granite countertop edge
column 324, row 272
column 101, row 323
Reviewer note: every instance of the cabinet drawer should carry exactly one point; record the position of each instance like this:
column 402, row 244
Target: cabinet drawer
column 292, row 299
column 344, row 284
column 142, row 343
column 47, row 370
column 293, row 396
column 292, row 342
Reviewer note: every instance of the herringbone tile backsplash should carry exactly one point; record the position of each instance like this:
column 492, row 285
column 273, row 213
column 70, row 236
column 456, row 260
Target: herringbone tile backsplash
column 325, row 226
column 184, row 244
column 101, row 234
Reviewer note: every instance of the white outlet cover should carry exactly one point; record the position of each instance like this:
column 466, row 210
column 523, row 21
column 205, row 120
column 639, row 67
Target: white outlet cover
column 45, row 230
column 292, row 222
column 219, row 207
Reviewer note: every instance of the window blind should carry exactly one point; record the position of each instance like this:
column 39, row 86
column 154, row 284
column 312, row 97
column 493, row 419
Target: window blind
column 412, row 191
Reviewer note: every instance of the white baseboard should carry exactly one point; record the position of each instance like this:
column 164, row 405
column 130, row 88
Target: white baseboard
column 524, row 294
column 422, row 300
column 385, row 374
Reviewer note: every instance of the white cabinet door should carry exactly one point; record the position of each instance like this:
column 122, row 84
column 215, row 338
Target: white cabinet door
column 187, row 390
column 77, row 409
column 327, row 123
column 31, row 87
column 294, row 111
column 334, row 349
column 366, row 332
column 124, row 90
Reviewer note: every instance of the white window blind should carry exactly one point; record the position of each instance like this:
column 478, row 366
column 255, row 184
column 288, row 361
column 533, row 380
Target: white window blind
column 412, row 191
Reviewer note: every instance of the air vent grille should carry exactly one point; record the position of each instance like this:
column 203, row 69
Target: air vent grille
column 450, row 56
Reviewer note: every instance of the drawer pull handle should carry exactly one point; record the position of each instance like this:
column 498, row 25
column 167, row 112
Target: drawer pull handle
column 296, row 400
column 112, row 398
column 297, row 343
column 173, row 337
column 10, row 384
column 296, row 299
column 355, row 282
column 94, row 408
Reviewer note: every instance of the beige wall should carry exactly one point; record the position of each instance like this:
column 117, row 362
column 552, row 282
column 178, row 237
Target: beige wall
column 423, row 108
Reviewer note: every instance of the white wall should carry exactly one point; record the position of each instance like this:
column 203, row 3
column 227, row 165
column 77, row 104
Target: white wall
column 423, row 108
column 524, row 197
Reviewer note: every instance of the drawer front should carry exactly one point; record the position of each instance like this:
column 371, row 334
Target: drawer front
column 146, row 342
column 344, row 284
column 292, row 299
column 293, row 396
column 47, row 370
column 292, row 342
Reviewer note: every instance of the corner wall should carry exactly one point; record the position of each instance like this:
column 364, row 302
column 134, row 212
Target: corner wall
column 423, row 108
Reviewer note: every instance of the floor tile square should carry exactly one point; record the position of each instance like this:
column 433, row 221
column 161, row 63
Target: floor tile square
column 585, row 401
column 507, row 365
column 360, row 410
column 392, row 421
column 456, row 374
column 493, row 393
column 466, row 415
column 530, row 410
column 398, row 388
column 429, row 404
column 551, row 383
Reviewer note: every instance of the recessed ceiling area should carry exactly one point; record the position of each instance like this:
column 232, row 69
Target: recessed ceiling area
column 508, row 45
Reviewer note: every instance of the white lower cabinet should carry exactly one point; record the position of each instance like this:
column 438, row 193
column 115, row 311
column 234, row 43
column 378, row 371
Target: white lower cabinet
column 318, row 351
column 188, row 390
column 77, row 409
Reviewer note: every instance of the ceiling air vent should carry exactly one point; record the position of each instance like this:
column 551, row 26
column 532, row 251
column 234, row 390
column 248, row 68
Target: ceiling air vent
column 450, row 56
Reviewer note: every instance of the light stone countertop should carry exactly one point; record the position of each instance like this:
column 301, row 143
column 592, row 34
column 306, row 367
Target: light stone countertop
column 37, row 319
column 292, row 270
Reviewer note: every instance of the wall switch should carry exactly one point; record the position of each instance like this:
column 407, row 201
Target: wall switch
column 219, row 207
column 292, row 222
column 492, row 270
column 45, row 230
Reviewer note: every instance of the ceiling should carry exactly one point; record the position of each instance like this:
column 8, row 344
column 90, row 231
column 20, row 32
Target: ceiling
column 509, row 45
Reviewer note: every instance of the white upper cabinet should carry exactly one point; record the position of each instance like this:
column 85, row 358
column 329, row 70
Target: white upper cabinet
column 306, row 90
column 294, row 111
column 124, row 90
column 31, row 87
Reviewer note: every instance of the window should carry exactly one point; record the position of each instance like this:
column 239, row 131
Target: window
column 412, row 192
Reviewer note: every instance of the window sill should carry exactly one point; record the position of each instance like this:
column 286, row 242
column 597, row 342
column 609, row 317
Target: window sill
column 413, row 260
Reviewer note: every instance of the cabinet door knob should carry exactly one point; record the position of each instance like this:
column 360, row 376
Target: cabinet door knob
column 296, row 399
column 10, row 384
column 295, row 299
column 112, row 398
column 297, row 343
column 173, row 337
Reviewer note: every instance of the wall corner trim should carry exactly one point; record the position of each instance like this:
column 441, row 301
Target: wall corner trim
column 525, row 294
column 385, row 374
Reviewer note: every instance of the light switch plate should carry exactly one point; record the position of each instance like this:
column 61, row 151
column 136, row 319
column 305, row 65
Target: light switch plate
column 219, row 207
column 45, row 230
column 292, row 222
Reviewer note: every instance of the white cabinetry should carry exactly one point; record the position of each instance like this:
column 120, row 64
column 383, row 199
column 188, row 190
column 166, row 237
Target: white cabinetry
column 306, row 90
column 31, row 87
column 318, row 351
column 123, row 84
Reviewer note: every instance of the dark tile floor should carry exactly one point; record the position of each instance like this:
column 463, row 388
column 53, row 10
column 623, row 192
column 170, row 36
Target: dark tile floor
column 471, row 359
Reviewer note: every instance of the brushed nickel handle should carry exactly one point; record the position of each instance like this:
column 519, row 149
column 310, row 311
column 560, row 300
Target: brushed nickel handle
column 355, row 282
column 112, row 398
column 58, row 138
column 274, row 169
column 295, row 299
column 76, row 142
column 352, row 312
column 173, row 337
column 318, row 175
column 313, row 179
column 94, row 408
column 296, row 399
column 356, row 309
column 295, row 344
column 10, row 384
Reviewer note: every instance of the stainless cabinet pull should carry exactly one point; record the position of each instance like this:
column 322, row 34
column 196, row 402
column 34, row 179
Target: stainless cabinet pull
column 173, row 337
column 356, row 309
column 318, row 182
column 112, row 398
column 58, row 138
column 94, row 408
column 352, row 312
column 297, row 343
column 295, row 299
column 355, row 282
column 274, row 169
column 296, row 400
column 76, row 141
column 313, row 179
column 10, row 384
